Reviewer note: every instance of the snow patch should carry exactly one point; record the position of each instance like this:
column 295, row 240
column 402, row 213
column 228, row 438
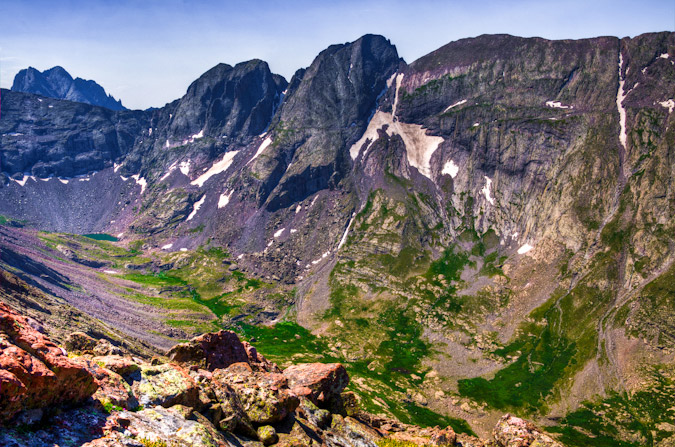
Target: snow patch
column 458, row 103
column 183, row 249
column 119, row 236
column 110, row 272
column 260, row 150
column 344, row 236
column 64, row 181
column 293, row 230
column 419, row 146
column 167, row 144
column 116, row 167
column 84, row 179
column 557, row 105
column 298, row 209
column 184, row 167
column 150, row 131
column 139, row 181
column 25, row 178
column 39, row 100
column 196, row 207
column 486, row 190
column 670, row 105
column 50, row 106
column 620, row 96
column 524, row 249
column 475, row 124
column 450, row 168
column 399, row 78
column 224, row 199
column 664, row 56
column 217, row 168
column 279, row 233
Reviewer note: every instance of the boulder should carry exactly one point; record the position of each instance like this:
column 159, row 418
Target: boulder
column 166, row 385
column 267, row 435
column 227, row 411
column 512, row 431
column 34, row 372
column 321, row 383
column 265, row 397
column 124, row 366
column 79, row 342
column 217, row 351
column 113, row 390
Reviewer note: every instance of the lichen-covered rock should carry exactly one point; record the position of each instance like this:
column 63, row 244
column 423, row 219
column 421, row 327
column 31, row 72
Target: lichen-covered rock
column 112, row 388
column 163, row 427
column 319, row 382
column 218, row 350
column 265, row 397
column 79, row 342
column 166, row 385
column 512, row 431
column 34, row 372
column 124, row 366
column 352, row 432
column 267, row 435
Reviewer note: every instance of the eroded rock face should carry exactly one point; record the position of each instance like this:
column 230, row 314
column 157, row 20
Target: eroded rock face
column 319, row 382
column 265, row 397
column 512, row 431
column 219, row 350
column 34, row 372
column 166, row 385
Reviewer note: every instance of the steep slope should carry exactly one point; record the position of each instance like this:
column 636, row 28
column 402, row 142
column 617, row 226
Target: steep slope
column 57, row 83
column 486, row 229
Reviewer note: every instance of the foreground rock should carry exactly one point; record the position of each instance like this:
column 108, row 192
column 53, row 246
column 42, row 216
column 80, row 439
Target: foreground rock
column 512, row 431
column 34, row 372
column 197, row 403
column 321, row 383
column 219, row 350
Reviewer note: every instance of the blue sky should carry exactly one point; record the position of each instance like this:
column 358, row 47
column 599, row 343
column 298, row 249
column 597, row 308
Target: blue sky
column 147, row 52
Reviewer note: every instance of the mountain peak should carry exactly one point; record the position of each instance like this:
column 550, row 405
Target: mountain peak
column 58, row 83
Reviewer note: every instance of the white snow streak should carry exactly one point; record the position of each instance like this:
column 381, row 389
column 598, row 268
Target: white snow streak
column 168, row 145
column 298, row 209
column 524, row 249
column 196, row 207
column 116, row 167
column 620, row 96
column 64, row 181
column 139, row 181
column 279, row 233
column 24, row 179
column 486, row 190
column 224, row 199
column 167, row 246
column 557, row 105
column 293, row 230
column 458, row 103
column 262, row 147
column 344, row 236
column 110, row 272
column 450, row 168
column 419, row 146
column 664, row 56
column 183, row 249
column 670, row 105
column 399, row 78
column 217, row 168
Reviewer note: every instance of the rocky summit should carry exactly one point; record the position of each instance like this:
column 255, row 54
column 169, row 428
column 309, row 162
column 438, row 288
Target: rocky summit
column 473, row 248
column 57, row 83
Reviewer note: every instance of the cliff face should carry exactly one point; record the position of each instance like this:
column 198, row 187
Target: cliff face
column 502, row 202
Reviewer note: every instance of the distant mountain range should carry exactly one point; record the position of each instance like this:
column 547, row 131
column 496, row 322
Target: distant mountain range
column 58, row 83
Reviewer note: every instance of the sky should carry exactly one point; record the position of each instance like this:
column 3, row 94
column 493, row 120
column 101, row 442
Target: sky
column 147, row 52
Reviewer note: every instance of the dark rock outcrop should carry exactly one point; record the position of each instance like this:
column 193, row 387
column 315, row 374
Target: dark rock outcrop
column 57, row 83
column 218, row 351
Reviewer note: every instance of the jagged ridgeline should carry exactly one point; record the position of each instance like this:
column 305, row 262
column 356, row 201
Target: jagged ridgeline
column 487, row 229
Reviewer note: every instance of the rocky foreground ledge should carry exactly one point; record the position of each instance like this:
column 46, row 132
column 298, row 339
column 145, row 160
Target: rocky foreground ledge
column 213, row 391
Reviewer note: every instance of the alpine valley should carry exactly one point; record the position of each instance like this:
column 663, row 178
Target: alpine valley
column 486, row 230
